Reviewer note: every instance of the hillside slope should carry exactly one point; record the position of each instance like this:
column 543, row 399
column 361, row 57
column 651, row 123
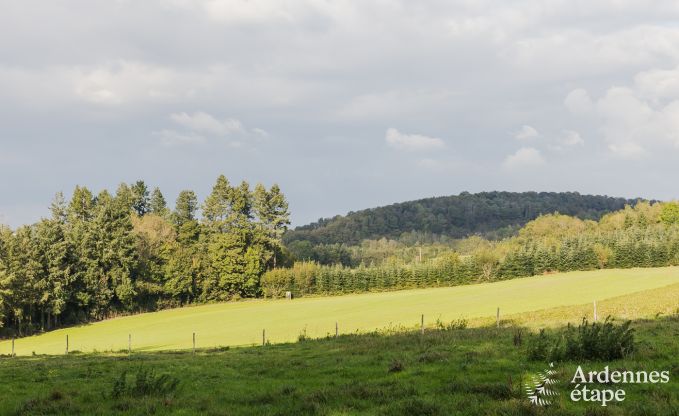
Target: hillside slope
column 455, row 216
column 241, row 323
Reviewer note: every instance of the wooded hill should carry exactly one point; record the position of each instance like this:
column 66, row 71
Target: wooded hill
column 455, row 216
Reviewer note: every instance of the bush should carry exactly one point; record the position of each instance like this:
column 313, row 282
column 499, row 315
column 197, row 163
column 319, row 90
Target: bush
column 589, row 341
column 453, row 325
column 145, row 383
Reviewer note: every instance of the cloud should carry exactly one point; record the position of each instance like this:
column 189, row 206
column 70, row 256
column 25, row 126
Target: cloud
column 203, row 122
column 392, row 104
column 200, row 127
column 412, row 142
column 526, row 133
column 627, row 150
column 578, row 102
column 571, row 138
column 175, row 138
column 524, row 158
column 636, row 120
column 120, row 82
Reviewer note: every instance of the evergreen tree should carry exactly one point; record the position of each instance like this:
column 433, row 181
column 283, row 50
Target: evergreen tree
column 185, row 208
column 218, row 206
column 140, row 198
column 157, row 205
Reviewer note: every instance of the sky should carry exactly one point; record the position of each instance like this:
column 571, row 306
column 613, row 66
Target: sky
column 345, row 104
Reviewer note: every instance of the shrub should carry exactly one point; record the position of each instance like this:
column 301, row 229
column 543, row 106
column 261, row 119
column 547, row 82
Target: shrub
column 145, row 383
column 589, row 341
column 456, row 324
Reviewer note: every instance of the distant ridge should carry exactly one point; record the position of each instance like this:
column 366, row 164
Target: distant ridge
column 454, row 216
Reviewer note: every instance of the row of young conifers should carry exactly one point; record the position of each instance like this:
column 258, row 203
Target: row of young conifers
column 646, row 235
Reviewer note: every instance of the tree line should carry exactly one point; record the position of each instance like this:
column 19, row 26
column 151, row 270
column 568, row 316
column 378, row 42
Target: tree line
column 495, row 215
column 644, row 235
column 102, row 255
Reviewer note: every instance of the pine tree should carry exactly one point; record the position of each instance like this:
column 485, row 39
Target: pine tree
column 185, row 208
column 157, row 204
column 140, row 198
column 218, row 206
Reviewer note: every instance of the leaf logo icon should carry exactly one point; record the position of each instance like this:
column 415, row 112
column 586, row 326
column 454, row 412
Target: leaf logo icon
column 538, row 390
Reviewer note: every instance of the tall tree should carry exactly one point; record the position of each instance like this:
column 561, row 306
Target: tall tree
column 140, row 198
column 81, row 205
column 185, row 207
column 157, row 205
column 271, row 210
column 218, row 206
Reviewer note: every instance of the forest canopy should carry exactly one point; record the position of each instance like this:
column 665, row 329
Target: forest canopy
column 106, row 254
column 492, row 214
column 645, row 235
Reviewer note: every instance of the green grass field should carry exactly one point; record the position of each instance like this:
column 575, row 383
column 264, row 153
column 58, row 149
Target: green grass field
column 473, row 371
column 241, row 323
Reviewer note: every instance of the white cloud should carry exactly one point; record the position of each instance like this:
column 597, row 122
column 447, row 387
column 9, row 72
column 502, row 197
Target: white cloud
column 204, row 122
column 571, row 138
column 627, row 150
column 200, row 127
column 640, row 119
column 524, row 158
column 578, row 102
column 412, row 142
column 260, row 132
column 124, row 81
column 526, row 133
column 175, row 138
column 392, row 104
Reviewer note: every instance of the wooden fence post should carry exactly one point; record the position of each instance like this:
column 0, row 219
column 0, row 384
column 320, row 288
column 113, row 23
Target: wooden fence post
column 194, row 343
column 497, row 317
column 336, row 330
column 263, row 337
column 422, row 324
column 66, row 343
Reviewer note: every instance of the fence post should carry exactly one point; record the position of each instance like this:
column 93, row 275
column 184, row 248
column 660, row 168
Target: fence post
column 595, row 314
column 66, row 343
column 497, row 317
column 336, row 330
column 263, row 337
column 422, row 324
column 194, row 343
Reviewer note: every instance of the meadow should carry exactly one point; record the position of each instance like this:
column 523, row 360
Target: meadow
column 448, row 370
column 241, row 323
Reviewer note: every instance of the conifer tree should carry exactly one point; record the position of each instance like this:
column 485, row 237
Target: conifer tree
column 157, row 204
column 140, row 198
column 185, row 207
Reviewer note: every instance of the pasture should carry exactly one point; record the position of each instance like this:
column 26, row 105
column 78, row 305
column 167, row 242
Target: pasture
column 241, row 323
column 451, row 371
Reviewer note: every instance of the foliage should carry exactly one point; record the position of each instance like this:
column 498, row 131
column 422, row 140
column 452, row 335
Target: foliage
column 144, row 383
column 453, row 216
column 638, row 236
column 603, row 341
column 105, row 255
